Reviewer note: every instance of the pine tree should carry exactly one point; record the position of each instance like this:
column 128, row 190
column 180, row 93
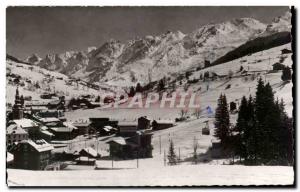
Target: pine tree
column 138, row 88
column 222, row 121
column 250, row 132
column 285, row 137
column 241, row 127
column 131, row 92
column 171, row 154
column 161, row 85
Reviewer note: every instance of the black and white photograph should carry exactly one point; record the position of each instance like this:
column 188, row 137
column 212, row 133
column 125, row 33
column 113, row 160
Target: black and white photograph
column 150, row 96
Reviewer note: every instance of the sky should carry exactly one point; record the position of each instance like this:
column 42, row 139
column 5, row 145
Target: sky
column 44, row 30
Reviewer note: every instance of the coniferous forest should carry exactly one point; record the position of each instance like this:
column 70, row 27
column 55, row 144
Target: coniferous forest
column 263, row 133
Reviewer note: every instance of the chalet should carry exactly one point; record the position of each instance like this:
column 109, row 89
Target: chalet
column 62, row 133
column 46, row 134
column 35, row 109
column 232, row 106
column 34, row 155
column 65, row 132
column 51, row 121
column 87, row 156
column 286, row 51
column 98, row 124
column 278, row 66
column 83, row 127
column 51, row 113
column 35, row 103
column 30, row 126
column 162, row 124
column 109, row 130
column 57, row 104
column 127, row 128
column 143, row 123
column 14, row 133
column 46, row 96
column 138, row 145
column 89, row 152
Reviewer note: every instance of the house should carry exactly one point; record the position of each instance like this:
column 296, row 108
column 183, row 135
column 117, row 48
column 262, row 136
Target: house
column 109, row 130
column 138, row 145
column 14, row 133
column 30, row 126
column 143, row 123
column 127, row 128
column 98, row 123
column 46, row 96
column 35, row 109
column 82, row 126
column 162, row 124
column 63, row 133
column 34, row 155
column 286, row 51
column 278, row 66
column 51, row 121
column 57, row 104
column 51, row 113
column 232, row 106
column 85, row 161
column 89, row 152
column 87, row 156
column 46, row 134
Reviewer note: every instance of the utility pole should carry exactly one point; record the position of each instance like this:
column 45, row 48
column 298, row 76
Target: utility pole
column 160, row 144
column 137, row 159
column 164, row 157
column 179, row 153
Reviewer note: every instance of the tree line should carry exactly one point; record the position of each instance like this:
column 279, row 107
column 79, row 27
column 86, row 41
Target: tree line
column 263, row 133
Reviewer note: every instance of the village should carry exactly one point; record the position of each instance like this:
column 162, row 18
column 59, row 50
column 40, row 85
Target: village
column 55, row 130
column 190, row 96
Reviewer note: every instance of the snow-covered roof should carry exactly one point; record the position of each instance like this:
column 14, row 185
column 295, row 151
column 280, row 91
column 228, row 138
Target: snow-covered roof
column 39, row 145
column 49, row 119
column 9, row 157
column 61, row 129
column 81, row 158
column 90, row 151
column 164, row 121
column 119, row 140
column 69, row 125
column 15, row 129
column 47, row 133
column 128, row 123
column 25, row 123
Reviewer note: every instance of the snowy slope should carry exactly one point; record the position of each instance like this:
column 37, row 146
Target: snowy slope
column 39, row 75
column 189, row 175
column 152, row 57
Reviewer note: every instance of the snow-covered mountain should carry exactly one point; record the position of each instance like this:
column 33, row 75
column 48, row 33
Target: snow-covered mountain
column 153, row 57
column 279, row 24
